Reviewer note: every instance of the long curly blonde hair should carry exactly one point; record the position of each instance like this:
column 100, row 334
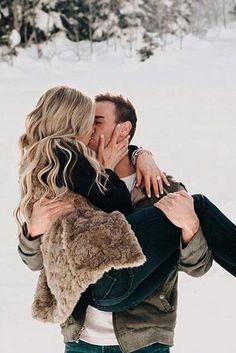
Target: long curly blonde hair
column 61, row 114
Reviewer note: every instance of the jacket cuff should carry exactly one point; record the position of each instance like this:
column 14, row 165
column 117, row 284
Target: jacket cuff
column 131, row 149
column 197, row 242
column 26, row 245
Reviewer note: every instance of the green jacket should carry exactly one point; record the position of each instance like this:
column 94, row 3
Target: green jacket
column 154, row 319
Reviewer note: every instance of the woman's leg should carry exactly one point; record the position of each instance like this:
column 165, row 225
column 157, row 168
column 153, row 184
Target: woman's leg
column 219, row 231
column 144, row 290
column 159, row 239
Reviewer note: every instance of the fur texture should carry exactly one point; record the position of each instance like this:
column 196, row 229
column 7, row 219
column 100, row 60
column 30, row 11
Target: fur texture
column 77, row 250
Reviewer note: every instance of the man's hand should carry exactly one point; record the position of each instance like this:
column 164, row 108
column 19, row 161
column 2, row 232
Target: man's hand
column 149, row 174
column 45, row 212
column 114, row 152
column 179, row 209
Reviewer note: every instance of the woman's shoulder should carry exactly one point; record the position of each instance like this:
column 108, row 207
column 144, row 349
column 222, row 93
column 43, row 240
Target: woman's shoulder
column 77, row 165
column 67, row 152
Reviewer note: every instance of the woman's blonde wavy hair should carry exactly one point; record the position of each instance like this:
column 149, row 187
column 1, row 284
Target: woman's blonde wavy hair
column 61, row 114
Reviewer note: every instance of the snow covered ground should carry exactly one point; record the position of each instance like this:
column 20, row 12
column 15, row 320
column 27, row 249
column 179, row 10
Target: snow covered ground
column 186, row 106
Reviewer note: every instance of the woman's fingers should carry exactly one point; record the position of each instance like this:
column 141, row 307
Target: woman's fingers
column 115, row 135
column 151, row 174
column 155, row 183
column 123, row 144
column 160, row 184
column 155, row 186
column 160, row 179
column 101, row 147
column 138, row 178
column 147, row 185
column 122, row 148
column 111, row 154
column 164, row 178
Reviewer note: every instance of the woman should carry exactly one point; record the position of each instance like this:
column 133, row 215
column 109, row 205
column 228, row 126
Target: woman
column 54, row 150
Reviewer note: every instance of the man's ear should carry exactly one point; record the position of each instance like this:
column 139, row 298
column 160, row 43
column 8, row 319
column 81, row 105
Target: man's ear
column 125, row 128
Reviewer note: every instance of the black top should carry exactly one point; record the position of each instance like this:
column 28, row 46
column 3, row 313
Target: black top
column 82, row 181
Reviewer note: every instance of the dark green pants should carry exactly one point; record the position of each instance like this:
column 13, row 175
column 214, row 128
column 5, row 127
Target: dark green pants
column 83, row 347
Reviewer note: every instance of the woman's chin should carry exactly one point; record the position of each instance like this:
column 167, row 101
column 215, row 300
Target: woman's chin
column 92, row 144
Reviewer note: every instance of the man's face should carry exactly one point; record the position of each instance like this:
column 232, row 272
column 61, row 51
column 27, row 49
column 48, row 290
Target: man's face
column 105, row 123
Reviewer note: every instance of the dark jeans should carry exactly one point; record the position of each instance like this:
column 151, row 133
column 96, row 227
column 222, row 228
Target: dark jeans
column 84, row 347
column 119, row 290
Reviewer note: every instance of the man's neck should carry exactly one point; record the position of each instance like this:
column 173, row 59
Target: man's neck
column 124, row 168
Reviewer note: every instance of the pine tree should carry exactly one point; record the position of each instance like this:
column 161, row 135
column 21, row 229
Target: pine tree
column 105, row 20
column 6, row 21
column 144, row 24
column 74, row 17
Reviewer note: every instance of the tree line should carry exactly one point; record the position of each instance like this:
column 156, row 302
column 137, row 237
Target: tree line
column 143, row 24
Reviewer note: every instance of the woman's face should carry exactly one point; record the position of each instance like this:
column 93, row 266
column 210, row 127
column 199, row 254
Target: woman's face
column 86, row 137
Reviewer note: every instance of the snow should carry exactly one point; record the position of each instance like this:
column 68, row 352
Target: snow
column 14, row 38
column 46, row 21
column 185, row 101
column 5, row 11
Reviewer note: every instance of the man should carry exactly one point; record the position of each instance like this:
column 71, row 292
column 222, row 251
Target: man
column 150, row 323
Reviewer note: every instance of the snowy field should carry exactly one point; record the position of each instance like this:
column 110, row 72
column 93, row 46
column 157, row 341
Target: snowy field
column 185, row 101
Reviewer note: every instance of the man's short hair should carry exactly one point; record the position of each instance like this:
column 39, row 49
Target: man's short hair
column 123, row 107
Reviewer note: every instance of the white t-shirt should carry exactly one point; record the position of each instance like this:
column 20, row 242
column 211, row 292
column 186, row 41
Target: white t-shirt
column 98, row 325
column 98, row 328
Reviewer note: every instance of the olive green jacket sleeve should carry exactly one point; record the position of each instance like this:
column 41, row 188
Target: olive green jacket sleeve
column 29, row 251
column 196, row 258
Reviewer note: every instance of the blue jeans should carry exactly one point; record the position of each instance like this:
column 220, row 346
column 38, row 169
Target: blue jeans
column 84, row 347
column 119, row 290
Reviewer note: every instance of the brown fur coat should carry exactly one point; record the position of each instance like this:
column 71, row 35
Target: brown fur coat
column 77, row 249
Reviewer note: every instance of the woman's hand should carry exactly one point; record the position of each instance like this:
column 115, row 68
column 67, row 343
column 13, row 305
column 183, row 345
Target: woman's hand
column 149, row 174
column 114, row 152
column 179, row 209
column 44, row 212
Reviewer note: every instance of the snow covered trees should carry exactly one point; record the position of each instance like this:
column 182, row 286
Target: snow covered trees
column 143, row 25
column 208, row 13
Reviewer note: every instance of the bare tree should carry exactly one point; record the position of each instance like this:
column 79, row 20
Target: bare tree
column 224, row 13
column 90, row 23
